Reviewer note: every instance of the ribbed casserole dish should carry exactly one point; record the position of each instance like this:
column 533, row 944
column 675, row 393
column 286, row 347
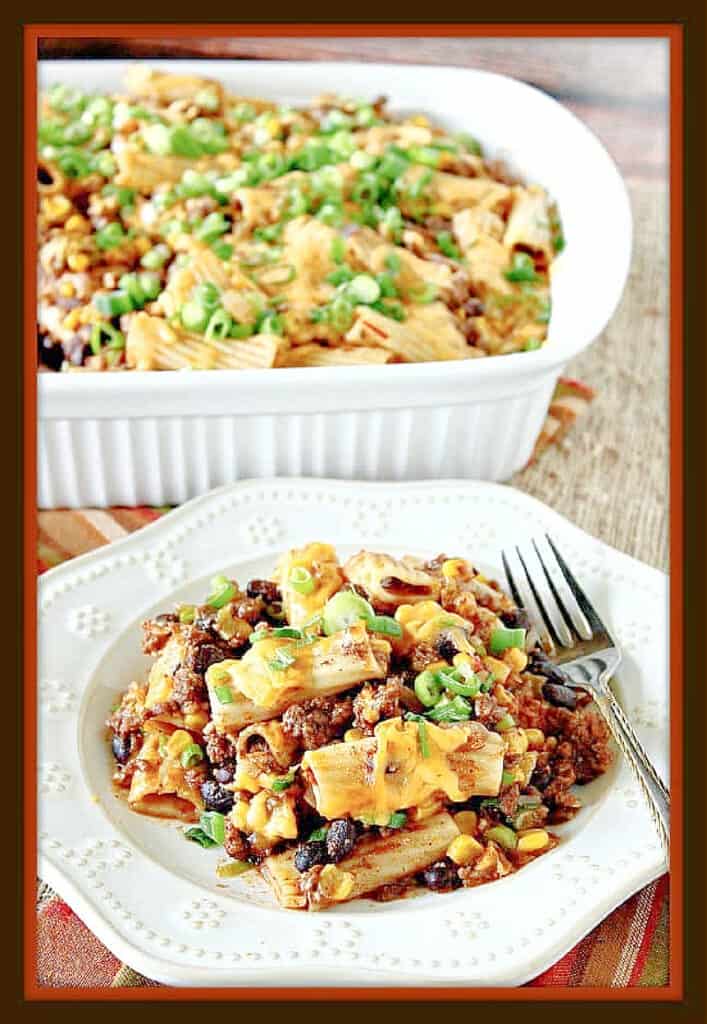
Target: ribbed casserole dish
column 163, row 437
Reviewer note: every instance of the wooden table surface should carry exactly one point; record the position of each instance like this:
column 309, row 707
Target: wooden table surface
column 611, row 477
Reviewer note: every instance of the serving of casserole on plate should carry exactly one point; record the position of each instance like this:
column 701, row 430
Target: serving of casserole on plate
column 369, row 252
column 362, row 724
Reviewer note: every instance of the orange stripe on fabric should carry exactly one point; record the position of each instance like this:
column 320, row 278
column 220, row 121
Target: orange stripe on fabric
column 70, row 531
column 132, row 519
column 655, row 911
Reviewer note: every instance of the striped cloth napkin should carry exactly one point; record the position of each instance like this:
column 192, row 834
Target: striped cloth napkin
column 629, row 948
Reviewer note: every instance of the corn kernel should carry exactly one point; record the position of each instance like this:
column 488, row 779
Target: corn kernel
column 67, row 289
column 142, row 244
column 335, row 884
column 78, row 223
column 196, row 720
column 78, row 261
column 516, row 658
column 515, row 741
column 351, row 735
column 498, row 668
column 453, row 568
column 464, row 849
column 437, row 666
column 178, row 742
column 535, row 738
column 55, row 207
column 71, row 320
column 466, row 822
column 533, row 840
column 420, row 120
column 462, row 659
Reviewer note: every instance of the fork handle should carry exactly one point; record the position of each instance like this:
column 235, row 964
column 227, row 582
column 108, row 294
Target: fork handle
column 651, row 784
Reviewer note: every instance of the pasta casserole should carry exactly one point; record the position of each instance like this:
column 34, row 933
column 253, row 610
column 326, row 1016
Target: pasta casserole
column 182, row 227
column 370, row 728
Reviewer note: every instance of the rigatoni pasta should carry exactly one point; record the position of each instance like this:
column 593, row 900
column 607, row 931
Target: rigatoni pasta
column 182, row 227
column 365, row 728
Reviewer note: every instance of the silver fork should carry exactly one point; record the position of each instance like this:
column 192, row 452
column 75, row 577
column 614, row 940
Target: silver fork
column 573, row 636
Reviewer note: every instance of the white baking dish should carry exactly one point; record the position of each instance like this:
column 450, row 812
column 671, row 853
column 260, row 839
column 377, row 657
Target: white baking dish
column 160, row 438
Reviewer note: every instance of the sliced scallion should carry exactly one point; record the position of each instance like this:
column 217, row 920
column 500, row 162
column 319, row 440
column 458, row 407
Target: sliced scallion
column 301, row 580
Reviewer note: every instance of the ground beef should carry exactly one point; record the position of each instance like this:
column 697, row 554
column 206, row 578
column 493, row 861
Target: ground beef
column 422, row 655
column 318, row 721
column 235, row 843
column 156, row 632
column 265, row 589
column 375, row 702
column 488, row 711
column 508, row 800
column 250, row 609
column 219, row 750
column 189, row 688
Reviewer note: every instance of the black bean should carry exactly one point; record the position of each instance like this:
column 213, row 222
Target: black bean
column 309, row 854
column 269, row 591
column 446, row 648
column 121, row 748
column 340, row 839
column 540, row 665
column 199, row 657
column 50, row 354
column 441, row 877
column 517, row 619
column 541, row 777
column 216, row 797
column 559, row 695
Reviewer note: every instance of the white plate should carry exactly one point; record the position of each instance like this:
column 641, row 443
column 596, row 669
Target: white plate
column 154, row 899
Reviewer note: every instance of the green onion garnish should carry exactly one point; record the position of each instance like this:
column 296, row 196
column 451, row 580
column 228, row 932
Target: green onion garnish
column 384, row 624
column 115, row 340
column 397, row 820
column 233, row 868
column 507, row 778
column 424, row 295
column 522, row 269
column 319, row 835
column 502, row 835
column 197, row 835
column 447, row 245
column 282, row 632
column 281, row 660
column 214, row 825
column 428, row 689
column 344, row 609
column 506, row 723
column 456, row 710
column 111, row 236
column 283, row 782
column 224, row 694
column 219, row 325
column 422, row 735
column 187, row 614
column 191, row 755
column 112, row 304
column 503, row 638
column 301, row 580
column 222, row 591
column 194, row 317
column 338, row 249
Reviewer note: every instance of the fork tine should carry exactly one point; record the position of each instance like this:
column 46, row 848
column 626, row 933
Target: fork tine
column 561, row 618
column 558, row 624
column 524, row 598
column 587, row 608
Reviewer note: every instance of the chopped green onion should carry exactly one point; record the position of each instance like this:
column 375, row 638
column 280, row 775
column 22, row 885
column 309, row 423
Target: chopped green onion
column 503, row 638
column 424, row 295
column 279, row 273
column 507, row 778
column 187, row 614
column 427, row 155
column 393, row 262
column 214, row 825
column 457, row 710
column 470, row 144
column 212, row 227
column 558, row 243
column 344, row 609
column 342, row 275
column 470, row 688
column 115, row 340
column 222, row 591
column 224, row 694
column 219, row 325
column 197, row 835
column 241, row 331
column 194, row 317
column 387, row 286
column 397, row 820
column 111, row 236
column 364, row 288
column 532, row 344
column 281, row 660
column 447, row 245
column 338, row 249
column 224, row 250
column 302, row 580
column 233, row 868
column 502, row 835
column 207, row 295
column 282, row 783
column 422, row 736
column 191, row 755
column 112, row 304
column 281, row 633
column 506, row 723
column 123, row 196
column 319, row 835
column 428, row 689
column 522, row 269
column 384, row 624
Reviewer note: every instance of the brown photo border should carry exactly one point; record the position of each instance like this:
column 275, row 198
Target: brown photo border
column 674, row 992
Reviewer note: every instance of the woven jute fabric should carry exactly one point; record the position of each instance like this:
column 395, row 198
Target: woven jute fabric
column 610, row 474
